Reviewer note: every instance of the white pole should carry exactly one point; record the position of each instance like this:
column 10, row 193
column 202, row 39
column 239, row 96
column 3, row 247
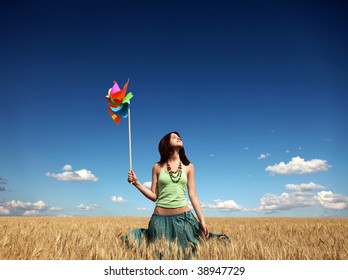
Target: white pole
column 129, row 139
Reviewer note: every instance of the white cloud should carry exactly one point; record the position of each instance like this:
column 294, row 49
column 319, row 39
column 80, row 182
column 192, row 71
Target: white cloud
column 298, row 165
column 302, row 197
column 147, row 185
column 32, row 213
column 56, row 209
column 4, row 211
column 304, row 187
column 286, row 201
column 332, row 201
column 118, row 199
column 17, row 207
column 67, row 167
column 227, row 205
column 17, row 204
column 142, row 209
column 40, row 205
column 73, row 176
column 87, row 207
column 262, row 156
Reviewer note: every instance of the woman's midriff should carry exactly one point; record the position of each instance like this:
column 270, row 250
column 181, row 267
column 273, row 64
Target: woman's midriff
column 170, row 211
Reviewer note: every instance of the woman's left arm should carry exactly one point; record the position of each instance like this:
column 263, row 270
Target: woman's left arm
column 192, row 192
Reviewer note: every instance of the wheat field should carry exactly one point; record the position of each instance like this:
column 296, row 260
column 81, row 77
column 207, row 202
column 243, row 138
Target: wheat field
column 99, row 238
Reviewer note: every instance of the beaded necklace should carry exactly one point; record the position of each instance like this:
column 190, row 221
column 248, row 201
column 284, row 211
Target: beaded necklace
column 175, row 176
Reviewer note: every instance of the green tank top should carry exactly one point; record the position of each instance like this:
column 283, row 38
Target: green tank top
column 171, row 195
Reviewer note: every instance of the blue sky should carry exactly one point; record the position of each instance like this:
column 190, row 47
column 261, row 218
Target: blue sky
column 257, row 90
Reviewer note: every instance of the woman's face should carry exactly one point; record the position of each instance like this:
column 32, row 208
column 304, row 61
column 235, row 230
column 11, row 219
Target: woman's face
column 175, row 140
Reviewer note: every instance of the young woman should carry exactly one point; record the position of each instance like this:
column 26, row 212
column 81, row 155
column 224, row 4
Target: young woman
column 172, row 177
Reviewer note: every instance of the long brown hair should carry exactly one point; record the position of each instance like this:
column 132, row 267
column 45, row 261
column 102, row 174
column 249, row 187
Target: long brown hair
column 166, row 150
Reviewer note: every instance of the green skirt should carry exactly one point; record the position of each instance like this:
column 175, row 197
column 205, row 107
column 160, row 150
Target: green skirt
column 183, row 229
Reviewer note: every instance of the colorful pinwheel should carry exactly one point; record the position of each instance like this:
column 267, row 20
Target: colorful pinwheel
column 118, row 103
